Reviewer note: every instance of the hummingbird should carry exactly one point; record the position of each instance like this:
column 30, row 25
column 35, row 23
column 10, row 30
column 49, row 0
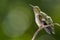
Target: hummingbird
column 43, row 21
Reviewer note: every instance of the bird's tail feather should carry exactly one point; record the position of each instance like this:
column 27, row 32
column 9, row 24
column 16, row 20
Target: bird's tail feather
column 49, row 30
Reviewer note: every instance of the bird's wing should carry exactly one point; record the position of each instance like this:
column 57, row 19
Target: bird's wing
column 47, row 18
column 49, row 29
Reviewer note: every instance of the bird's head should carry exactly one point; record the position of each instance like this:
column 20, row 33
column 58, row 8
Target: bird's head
column 36, row 9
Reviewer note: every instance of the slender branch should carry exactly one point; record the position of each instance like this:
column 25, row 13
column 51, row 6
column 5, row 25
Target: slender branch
column 57, row 24
column 35, row 34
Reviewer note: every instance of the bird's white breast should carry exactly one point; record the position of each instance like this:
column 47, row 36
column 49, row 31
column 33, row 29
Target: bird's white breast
column 37, row 20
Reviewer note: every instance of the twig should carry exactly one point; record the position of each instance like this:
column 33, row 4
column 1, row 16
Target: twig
column 35, row 34
column 40, row 28
column 57, row 24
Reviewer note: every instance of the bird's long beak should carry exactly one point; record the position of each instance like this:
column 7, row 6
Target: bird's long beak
column 31, row 5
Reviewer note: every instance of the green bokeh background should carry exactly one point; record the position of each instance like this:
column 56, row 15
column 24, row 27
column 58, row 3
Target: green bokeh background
column 17, row 19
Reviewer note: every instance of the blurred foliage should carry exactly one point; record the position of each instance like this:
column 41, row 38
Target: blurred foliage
column 17, row 19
